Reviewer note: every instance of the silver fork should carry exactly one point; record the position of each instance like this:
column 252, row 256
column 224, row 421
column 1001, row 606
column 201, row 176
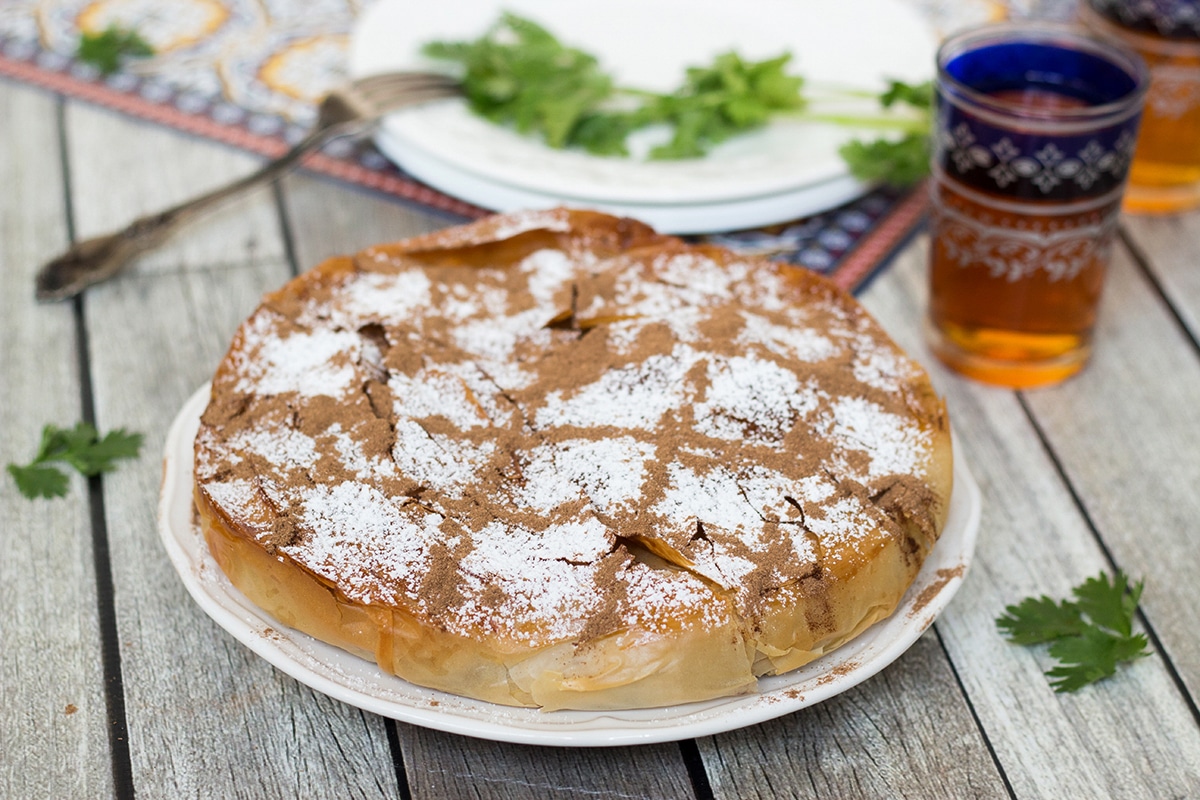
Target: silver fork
column 352, row 109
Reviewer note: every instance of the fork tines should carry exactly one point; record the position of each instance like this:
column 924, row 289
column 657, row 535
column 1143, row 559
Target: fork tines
column 384, row 85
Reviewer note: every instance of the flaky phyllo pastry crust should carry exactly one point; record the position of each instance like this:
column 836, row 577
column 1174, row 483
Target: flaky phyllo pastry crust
column 556, row 459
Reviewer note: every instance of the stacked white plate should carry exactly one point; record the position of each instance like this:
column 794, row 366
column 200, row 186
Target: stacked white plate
column 788, row 169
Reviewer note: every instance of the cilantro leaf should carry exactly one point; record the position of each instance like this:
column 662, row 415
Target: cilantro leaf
column 919, row 95
column 730, row 96
column 1092, row 656
column 900, row 162
column 58, row 442
column 105, row 50
column 39, row 480
column 80, row 447
column 100, row 454
column 519, row 74
column 1089, row 637
column 903, row 161
column 1110, row 605
column 1036, row 620
column 605, row 133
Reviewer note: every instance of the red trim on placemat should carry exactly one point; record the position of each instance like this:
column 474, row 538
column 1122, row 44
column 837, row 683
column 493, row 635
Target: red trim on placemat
column 871, row 254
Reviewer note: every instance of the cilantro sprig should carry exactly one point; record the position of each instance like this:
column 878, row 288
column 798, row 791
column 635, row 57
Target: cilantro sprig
column 1090, row 636
column 728, row 97
column 899, row 161
column 80, row 447
column 519, row 74
column 108, row 48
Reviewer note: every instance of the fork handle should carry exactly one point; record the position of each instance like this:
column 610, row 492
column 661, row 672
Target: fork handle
column 90, row 261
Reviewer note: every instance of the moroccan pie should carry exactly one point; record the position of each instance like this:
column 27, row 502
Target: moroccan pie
column 556, row 459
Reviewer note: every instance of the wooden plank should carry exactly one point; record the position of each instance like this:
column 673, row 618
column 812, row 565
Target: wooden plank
column 1128, row 435
column 328, row 221
column 207, row 718
column 1169, row 246
column 441, row 766
column 53, row 722
column 906, row 732
column 1130, row 736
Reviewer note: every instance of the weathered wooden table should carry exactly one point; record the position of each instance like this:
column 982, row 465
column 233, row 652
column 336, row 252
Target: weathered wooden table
column 114, row 682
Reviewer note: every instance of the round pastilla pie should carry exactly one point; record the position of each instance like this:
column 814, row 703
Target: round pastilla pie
column 556, row 459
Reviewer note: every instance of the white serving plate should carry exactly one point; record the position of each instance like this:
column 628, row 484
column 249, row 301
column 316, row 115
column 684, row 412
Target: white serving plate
column 647, row 43
column 680, row 219
column 361, row 683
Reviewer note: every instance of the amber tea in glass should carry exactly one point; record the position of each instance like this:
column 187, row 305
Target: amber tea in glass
column 1035, row 129
column 1165, row 175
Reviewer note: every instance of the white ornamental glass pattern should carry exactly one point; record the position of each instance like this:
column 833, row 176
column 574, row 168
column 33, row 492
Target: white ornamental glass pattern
column 1046, row 168
column 1017, row 253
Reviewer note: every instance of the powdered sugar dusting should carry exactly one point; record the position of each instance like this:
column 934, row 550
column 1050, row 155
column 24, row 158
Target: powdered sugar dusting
column 548, row 272
column 519, row 222
column 491, row 340
column 884, row 368
column 836, row 528
column 800, row 343
column 309, row 364
column 363, row 466
column 771, row 494
column 712, row 497
column 651, row 593
column 437, row 461
column 751, row 398
column 554, row 587
column 894, row 447
column 238, row 496
column 283, row 446
column 730, row 423
column 436, row 393
column 610, row 473
column 630, row 397
column 372, row 536
column 374, row 296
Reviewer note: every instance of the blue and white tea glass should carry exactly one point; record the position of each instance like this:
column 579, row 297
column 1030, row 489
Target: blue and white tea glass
column 1035, row 128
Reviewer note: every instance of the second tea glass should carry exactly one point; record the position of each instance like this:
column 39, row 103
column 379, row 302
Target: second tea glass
column 1035, row 128
column 1165, row 177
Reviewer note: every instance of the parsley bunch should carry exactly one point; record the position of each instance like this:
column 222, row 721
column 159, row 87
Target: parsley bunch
column 80, row 447
column 519, row 74
column 1089, row 635
column 108, row 48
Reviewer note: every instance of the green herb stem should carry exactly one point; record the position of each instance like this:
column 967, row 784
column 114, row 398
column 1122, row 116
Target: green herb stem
column 899, row 124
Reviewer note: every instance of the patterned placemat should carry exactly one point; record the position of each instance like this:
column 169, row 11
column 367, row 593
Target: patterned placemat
column 248, row 73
